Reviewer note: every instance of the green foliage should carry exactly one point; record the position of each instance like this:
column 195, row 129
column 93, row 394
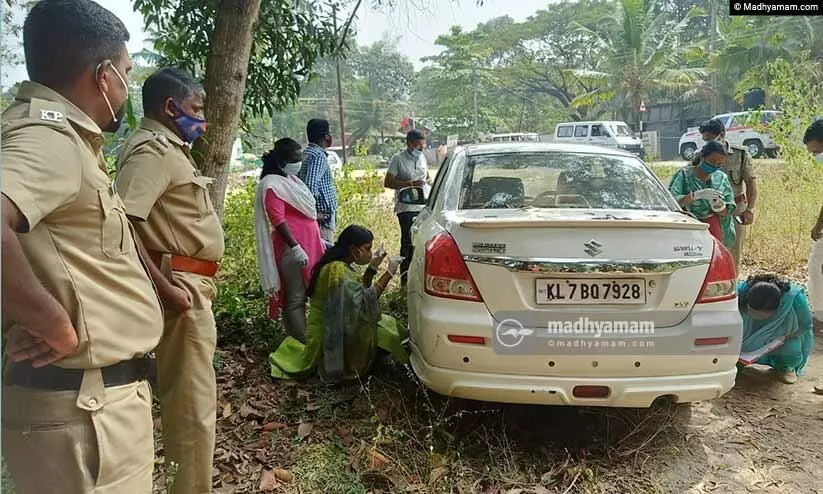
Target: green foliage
column 289, row 39
column 241, row 308
column 798, row 85
column 376, row 81
column 639, row 49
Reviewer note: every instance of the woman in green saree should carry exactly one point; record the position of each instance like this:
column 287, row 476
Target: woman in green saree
column 345, row 325
column 705, row 191
column 772, row 309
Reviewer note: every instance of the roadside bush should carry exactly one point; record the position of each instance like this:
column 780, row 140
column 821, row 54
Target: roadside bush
column 241, row 308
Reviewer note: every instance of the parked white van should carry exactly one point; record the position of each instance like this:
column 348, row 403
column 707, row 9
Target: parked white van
column 610, row 134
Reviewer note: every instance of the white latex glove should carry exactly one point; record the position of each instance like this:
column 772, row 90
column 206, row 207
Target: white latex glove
column 717, row 204
column 707, row 194
column 377, row 258
column 300, row 255
column 394, row 263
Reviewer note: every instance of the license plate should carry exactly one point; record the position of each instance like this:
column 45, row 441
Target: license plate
column 590, row 292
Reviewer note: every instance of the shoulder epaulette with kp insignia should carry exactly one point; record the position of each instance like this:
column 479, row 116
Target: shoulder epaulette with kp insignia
column 41, row 112
column 50, row 112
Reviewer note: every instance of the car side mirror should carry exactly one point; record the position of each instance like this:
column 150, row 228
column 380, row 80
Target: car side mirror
column 412, row 196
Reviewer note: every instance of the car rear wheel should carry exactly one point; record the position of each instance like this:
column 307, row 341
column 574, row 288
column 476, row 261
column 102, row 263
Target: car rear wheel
column 754, row 147
column 688, row 150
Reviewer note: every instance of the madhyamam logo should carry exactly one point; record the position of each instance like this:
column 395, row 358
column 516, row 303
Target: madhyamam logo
column 586, row 326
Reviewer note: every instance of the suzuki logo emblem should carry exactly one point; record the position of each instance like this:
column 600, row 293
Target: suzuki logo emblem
column 593, row 247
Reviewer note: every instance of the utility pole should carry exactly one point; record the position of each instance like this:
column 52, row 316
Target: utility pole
column 474, row 90
column 712, row 41
column 340, row 91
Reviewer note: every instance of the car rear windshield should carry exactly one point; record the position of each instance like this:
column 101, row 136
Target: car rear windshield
column 560, row 180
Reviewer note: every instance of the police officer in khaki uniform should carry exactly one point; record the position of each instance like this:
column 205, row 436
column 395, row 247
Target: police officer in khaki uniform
column 168, row 202
column 738, row 167
column 79, row 311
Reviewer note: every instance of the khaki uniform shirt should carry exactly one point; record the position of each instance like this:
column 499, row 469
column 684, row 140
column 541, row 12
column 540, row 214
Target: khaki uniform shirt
column 78, row 241
column 160, row 185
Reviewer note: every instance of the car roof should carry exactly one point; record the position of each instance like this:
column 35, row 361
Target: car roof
column 749, row 112
column 590, row 122
column 540, row 147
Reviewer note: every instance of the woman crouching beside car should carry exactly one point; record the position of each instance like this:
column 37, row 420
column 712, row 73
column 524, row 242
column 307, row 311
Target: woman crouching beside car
column 776, row 315
column 345, row 326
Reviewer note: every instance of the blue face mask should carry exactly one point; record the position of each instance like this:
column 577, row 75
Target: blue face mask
column 707, row 167
column 190, row 127
column 416, row 153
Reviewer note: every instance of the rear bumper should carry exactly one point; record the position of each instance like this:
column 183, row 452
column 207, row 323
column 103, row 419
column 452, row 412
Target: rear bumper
column 633, row 392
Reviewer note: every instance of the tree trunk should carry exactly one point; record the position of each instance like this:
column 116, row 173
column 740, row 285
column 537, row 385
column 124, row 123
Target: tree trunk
column 226, row 71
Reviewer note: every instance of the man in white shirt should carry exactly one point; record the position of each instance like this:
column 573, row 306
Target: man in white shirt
column 813, row 139
column 408, row 168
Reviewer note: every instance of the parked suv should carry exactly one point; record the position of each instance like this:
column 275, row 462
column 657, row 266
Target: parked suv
column 740, row 131
column 601, row 133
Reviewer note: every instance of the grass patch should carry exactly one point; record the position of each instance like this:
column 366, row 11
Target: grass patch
column 325, row 468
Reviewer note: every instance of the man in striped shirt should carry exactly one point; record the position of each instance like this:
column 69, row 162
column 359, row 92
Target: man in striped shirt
column 318, row 177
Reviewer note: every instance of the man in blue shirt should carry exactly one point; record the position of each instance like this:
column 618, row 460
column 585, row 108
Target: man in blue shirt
column 318, row 177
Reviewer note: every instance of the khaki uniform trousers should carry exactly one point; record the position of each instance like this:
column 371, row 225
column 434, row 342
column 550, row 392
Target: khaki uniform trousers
column 187, row 387
column 741, row 232
column 67, row 442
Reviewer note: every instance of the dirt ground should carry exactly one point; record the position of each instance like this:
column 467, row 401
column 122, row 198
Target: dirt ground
column 390, row 435
column 763, row 436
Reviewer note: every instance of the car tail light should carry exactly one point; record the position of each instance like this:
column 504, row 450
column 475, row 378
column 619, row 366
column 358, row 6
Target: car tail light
column 721, row 281
column 446, row 273
column 467, row 340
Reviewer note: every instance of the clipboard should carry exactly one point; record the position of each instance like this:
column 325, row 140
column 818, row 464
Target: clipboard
column 750, row 358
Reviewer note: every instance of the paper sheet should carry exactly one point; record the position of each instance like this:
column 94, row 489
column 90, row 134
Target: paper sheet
column 750, row 358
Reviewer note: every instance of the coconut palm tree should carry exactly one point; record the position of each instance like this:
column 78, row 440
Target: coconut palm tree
column 641, row 55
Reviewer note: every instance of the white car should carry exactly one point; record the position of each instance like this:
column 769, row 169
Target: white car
column 521, row 243
column 335, row 162
column 739, row 131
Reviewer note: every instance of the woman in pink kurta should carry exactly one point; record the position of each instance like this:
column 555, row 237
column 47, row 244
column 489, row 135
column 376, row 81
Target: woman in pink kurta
column 289, row 249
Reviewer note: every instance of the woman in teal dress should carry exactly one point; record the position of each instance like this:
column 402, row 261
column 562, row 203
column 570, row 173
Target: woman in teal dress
column 773, row 308
column 705, row 191
column 345, row 326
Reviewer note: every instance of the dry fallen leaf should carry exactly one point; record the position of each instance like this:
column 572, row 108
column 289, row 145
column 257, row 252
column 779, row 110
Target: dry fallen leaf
column 377, row 461
column 268, row 481
column 273, row 426
column 312, row 407
column 246, row 411
column 283, row 475
column 304, row 429
column 227, row 410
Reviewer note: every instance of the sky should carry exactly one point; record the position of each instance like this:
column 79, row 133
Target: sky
column 417, row 23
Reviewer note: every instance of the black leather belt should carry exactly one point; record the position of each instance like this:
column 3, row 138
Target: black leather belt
column 55, row 378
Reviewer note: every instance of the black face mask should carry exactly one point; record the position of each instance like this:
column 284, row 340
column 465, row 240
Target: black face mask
column 114, row 126
column 117, row 117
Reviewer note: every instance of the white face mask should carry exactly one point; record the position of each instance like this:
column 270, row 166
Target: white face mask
column 292, row 168
column 819, row 157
